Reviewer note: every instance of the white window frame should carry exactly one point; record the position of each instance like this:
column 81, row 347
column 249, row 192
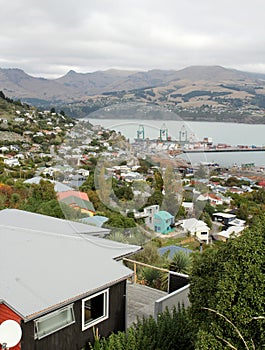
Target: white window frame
column 40, row 335
column 105, row 315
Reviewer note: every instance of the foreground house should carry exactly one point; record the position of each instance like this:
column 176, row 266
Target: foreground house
column 58, row 280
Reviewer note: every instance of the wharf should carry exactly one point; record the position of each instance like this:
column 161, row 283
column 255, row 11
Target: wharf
column 228, row 149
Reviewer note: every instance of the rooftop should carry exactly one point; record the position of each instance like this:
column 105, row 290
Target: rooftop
column 225, row 215
column 173, row 249
column 44, row 267
column 164, row 215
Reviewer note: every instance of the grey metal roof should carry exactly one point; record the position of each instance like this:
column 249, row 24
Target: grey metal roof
column 96, row 220
column 43, row 269
column 19, row 218
column 173, row 249
column 58, row 186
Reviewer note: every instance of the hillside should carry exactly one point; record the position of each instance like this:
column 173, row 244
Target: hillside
column 24, row 125
column 195, row 93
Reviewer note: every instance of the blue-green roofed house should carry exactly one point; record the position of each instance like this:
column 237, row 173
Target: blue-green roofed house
column 163, row 222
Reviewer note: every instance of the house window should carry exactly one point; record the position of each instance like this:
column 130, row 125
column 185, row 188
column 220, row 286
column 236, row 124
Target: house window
column 95, row 309
column 54, row 321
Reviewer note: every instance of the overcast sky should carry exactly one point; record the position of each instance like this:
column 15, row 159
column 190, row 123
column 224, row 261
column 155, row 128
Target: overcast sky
column 49, row 37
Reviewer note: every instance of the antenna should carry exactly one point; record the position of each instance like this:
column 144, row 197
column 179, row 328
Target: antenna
column 10, row 334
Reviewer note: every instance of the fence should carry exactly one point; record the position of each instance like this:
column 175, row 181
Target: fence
column 180, row 296
column 178, row 288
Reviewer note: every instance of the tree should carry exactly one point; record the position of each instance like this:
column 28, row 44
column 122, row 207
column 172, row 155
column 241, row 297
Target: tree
column 173, row 192
column 2, row 95
column 232, row 181
column 89, row 184
column 117, row 220
column 152, row 277
column 230, row 280
column 149, row 255
column 15, row 199
column 158, row 181
column 43, row 191
column 181, row 214
column 51, row 208
column 155, row 198
column 180, row 262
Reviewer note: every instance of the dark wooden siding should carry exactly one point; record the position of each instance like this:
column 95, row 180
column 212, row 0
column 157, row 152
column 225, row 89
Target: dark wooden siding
column 7, row 314
column 72, row 337
column 177, row 282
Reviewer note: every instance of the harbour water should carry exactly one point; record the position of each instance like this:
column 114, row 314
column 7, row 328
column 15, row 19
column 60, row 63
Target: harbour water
column 221, row 133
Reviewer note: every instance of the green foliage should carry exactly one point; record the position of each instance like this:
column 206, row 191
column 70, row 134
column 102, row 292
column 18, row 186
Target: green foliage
column 155, row 198
column 232, row 181
column 209, row 209
column 159, row 183
column 129, row 236
column 89, row 184
column 207, row 219
column 117, row 220
column 122, row 190
column 181, row 214
column 171, row 331
column 181, row 262
column 15, row 199
column 51, row 208
column 249, row 205
column 152, row 277
column 230, row 279
column 149, row 255
column 43, row 191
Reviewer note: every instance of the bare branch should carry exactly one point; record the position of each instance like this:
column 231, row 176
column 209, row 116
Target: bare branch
column 227, row 342
column 227, row 320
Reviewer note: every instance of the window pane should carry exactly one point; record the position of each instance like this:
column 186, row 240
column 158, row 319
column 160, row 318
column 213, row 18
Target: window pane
column 54, row 321
column 95, row 309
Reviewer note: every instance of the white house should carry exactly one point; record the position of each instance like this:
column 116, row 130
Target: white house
column 196, row 228
column 12, row 162
column 148, row 215
column 188, row 206
column 232, row 231
column 213, row 199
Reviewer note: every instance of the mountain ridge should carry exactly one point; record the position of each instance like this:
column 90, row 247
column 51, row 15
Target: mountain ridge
column 201, row 90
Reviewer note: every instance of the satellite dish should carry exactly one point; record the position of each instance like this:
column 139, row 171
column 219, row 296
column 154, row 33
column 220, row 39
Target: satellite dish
column 10, row 333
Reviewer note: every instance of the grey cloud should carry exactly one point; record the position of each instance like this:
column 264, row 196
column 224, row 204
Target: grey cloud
column 50, row 37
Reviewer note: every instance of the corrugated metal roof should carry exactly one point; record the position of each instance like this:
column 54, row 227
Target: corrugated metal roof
column 44, row 268
column 32, row 221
